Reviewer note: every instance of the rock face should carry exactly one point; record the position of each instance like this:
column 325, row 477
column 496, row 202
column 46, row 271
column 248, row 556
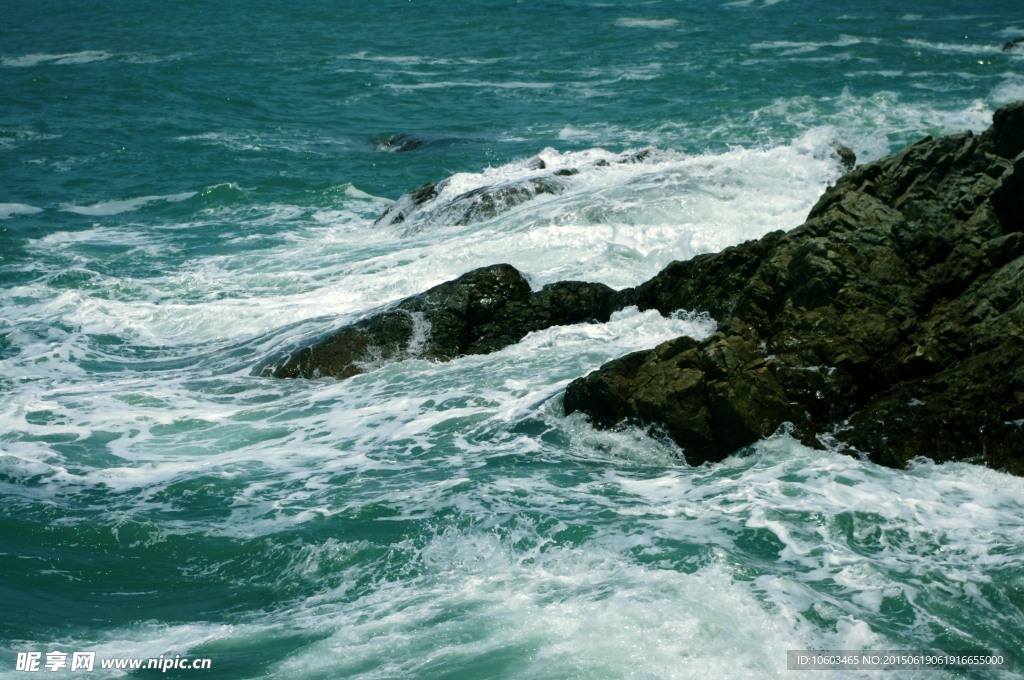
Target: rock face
column 478, row 313
column 891, row 323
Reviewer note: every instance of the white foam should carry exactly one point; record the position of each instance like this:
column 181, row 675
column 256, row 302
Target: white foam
column 171, row 430
column 107, row 208
column 1010, row 90
column 639, row 22
column 749, row 3
column 956, row 48
column 143, row 58
column 618, row 223
column 670, row 206
column 257, row 141
column 83, row 57
column 507, row 531
column 473, row 84
column 874, row 126
column 580, row 612
column 236, row 142
column 607, row 605
column 417, row 60
column 13, row 138
column 522, row 535
column 23, row 468
column 790, row 47
column 8, row 210
column 885, row 73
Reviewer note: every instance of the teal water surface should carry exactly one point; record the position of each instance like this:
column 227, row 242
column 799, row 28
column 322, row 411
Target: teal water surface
column 189, row 188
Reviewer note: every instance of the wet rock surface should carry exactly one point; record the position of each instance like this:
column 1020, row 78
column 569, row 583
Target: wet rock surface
column 480, row 312
column 402, row 143
column 468, row 207
column 424, row 207
column 891, row 323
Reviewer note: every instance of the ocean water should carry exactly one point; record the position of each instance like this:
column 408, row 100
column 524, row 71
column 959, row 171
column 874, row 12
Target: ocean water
column 189, row 188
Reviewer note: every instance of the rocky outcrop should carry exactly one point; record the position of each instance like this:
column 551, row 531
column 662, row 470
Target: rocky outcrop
column 427, row 206
column 478, row 313
column 891, row 323
column 469, row 207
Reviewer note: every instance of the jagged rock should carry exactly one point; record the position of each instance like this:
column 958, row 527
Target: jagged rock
column 891, row 323
column 478, row 313
column 847, row 157
column 483, row 203
column 640, row 156
column 629, row 158
column 468, row 207
column 408, row 202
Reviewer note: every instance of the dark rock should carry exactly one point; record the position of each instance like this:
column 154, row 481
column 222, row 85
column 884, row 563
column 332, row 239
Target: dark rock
column 707, row 283
column 1007, row 132
column 479, row 312
column 640, row 156
column 401, row 143
column 407, row 203
column 847, row 157
column 890, row 324
column 1015, row 44
column 419, row 208
column 468, row 207
column 715, row 396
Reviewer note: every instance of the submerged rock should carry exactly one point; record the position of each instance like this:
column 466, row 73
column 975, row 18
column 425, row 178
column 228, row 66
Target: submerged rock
column 407, row 203
column 890, row 324
column 478, row 313
column 401, row 143
column 469, row 207
column 425, row 207
column 1015, row 44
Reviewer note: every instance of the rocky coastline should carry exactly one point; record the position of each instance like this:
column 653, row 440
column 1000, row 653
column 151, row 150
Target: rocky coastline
column 889, row 325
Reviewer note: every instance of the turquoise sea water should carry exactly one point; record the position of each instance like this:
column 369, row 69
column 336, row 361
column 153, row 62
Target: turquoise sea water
column 188, row 188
